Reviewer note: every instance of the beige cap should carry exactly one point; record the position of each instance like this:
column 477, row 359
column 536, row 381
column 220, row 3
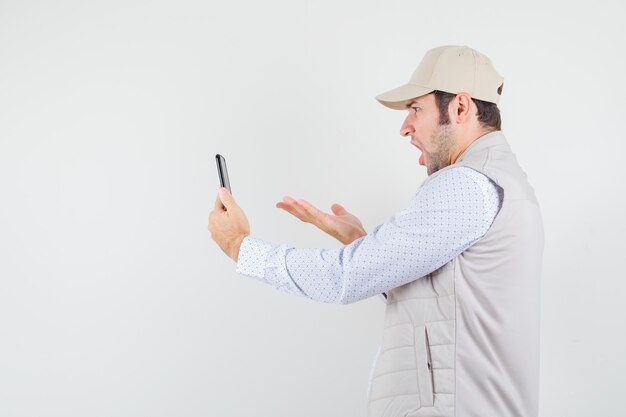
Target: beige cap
column 453, row 69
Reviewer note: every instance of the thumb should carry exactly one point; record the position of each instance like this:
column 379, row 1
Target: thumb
column 338, row 209
column 227, row 198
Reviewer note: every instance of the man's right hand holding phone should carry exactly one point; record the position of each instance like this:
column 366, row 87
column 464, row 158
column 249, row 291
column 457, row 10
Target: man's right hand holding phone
column 341, row 225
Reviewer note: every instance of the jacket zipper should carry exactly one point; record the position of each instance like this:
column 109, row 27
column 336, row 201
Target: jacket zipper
column 429, row 363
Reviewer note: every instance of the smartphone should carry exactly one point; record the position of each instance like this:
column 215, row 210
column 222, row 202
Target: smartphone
column 222, row 172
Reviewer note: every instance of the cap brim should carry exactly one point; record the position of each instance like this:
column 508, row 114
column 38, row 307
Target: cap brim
column 396, row 99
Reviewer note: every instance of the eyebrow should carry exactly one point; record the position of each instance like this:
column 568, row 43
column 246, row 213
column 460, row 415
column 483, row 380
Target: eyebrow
column 409, row 104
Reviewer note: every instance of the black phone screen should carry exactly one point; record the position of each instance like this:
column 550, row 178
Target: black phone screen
column 222, row 172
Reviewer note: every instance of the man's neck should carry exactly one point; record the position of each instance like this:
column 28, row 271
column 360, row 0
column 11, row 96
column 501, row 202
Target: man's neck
column 463, row 144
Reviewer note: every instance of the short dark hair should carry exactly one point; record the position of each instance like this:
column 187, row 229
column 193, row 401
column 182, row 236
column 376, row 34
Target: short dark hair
column 488, row 113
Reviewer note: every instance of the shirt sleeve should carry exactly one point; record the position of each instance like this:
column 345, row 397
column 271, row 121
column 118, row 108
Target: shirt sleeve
column 445, row 217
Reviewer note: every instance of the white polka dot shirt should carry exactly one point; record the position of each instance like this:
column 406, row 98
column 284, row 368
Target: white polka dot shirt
column 445, row 217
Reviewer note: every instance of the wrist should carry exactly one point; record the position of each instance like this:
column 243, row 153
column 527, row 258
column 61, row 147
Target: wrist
column 234, row 253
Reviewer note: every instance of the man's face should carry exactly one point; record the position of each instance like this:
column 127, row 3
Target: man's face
column 436, row 141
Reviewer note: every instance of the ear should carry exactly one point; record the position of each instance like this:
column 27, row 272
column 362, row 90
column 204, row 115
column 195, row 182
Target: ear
column 462, row 107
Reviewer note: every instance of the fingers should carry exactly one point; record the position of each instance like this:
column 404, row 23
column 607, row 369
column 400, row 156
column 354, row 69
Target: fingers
column 311, row 210
column 338, row 209
column 225, row 200
column 218, row 204
column 295, row 208
column 287, row 204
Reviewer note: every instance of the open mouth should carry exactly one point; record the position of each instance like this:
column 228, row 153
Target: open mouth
column 421, row 160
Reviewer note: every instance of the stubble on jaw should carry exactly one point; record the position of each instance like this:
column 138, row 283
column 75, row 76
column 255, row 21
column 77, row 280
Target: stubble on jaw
column 442, row 143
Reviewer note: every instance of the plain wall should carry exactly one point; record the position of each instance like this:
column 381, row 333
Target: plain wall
column 114, row 301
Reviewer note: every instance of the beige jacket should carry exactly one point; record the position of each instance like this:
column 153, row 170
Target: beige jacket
column 464, row 340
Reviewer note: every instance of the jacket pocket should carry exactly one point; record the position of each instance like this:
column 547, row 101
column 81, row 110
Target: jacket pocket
column 424, row 367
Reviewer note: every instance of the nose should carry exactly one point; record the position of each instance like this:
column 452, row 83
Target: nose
column 407, row 129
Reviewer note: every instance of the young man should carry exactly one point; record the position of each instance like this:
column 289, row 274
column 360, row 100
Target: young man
column 459, row 267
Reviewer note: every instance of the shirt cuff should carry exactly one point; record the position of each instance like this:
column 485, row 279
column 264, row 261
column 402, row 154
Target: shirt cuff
column 253, row 255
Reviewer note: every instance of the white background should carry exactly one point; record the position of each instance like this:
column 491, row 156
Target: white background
column 113, row 299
